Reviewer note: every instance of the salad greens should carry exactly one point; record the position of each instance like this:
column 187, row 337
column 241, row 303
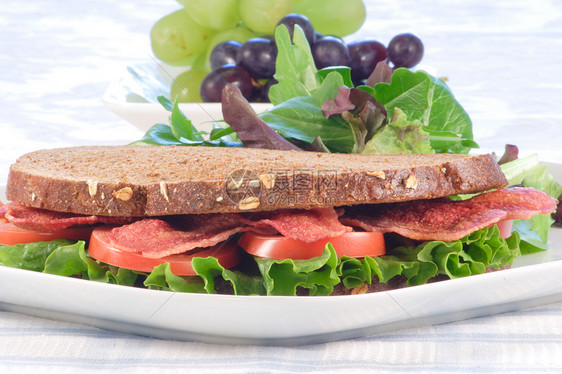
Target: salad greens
column 529, row 172
column 299, row 115
column 181, row 131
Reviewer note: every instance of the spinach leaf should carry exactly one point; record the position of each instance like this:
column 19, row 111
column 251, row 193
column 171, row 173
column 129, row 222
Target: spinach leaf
column 344, row 71
column 301, row 118
column 181, row 131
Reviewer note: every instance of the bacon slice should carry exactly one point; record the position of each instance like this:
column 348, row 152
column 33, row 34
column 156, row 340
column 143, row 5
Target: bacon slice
column 446, row 219
column 157, row 238
column 3, row 209
column 42, row 220
column 305, row 225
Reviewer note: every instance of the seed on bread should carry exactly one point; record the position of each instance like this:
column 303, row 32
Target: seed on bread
column 92, row 187
column 268, row 180
column 249, row 203
column 378, row 174
column 123, row 194
column 411, row 182
column 164, row 190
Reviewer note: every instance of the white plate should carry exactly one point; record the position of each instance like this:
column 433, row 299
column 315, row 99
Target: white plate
column 534, row 280
column 134, row 97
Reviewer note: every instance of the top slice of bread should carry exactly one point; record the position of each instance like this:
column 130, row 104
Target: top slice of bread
column 163, row 180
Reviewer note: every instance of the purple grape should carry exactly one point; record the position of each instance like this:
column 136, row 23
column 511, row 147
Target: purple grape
column 405, row 50
column 292, row 19
column 224, row 54
column 364, row 56
column 258, row 56
column 261, row 93
column 330, row 51
column 214, row 82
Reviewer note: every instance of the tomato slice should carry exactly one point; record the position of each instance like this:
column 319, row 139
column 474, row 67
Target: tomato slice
column 505, row 227
column 100, row 248
column 352, row 244
column 11, row 235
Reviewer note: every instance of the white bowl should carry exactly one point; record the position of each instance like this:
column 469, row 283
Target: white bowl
column 134, row 97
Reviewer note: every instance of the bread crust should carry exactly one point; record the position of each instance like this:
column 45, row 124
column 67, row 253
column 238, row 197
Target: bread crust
column 165, row 180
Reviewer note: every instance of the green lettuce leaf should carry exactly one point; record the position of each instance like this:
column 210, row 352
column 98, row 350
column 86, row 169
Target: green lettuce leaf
column 162, row 278
column 29, row 256
column 317, row 275
column 63, row 257
column 295, row 70
column 530, row 172
column 470, row 255
column 209, row 269
column 429, row 100
column 400, row 136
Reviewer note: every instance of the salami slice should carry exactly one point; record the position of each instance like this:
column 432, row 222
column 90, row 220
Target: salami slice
column 446, row 219
column 42, row 220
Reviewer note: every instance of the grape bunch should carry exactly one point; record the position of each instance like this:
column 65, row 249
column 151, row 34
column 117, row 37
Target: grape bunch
column 186, row 37
column 251, row 65
column 231, row 42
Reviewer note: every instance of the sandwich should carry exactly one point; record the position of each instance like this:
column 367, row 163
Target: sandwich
column 259, row 221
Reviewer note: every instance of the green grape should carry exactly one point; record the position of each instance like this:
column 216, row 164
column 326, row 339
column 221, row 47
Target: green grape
column 333, row 17
column 238, row 33
column 216, row 14
column 176, row 38
column 185, row 88
column 262, row 16
column 201, row 63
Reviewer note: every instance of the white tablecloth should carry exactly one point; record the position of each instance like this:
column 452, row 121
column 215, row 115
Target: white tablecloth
column 502, row 60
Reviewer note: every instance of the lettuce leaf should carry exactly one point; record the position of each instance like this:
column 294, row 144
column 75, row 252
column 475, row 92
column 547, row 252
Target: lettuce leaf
column 209, row 268
column 530, row 172
column 63, row 257
column 162, row 278
column 318, row 275
column 470, row 255
column 429, row 100
column 400, row 136
column 295, row 68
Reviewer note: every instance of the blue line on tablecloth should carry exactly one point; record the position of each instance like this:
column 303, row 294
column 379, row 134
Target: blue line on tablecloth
column 105, row 334
column 262, row 365
column 457, row 336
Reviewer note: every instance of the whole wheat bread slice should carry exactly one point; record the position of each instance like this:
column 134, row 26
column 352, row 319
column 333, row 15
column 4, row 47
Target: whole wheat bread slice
column 161, row 180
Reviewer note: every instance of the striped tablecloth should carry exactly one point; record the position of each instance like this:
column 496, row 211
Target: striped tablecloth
column 528, row 341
